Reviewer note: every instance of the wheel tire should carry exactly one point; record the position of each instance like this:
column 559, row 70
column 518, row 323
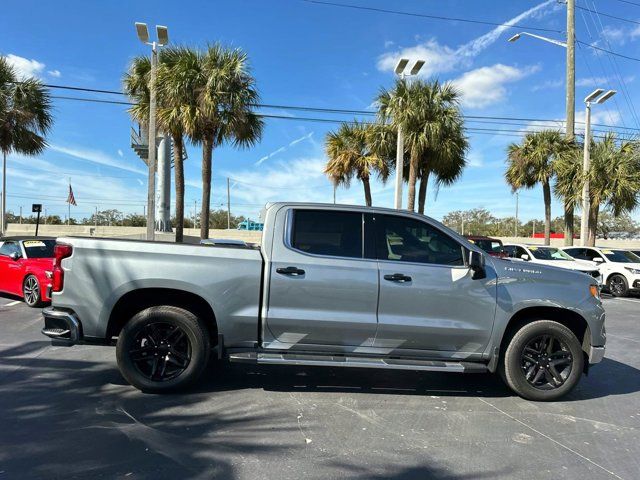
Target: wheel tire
column 618, row 285
column 31, row 291
column 193, row 333
column 513, row 369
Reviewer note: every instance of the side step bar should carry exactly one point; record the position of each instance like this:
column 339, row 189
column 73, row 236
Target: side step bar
column 358, row 362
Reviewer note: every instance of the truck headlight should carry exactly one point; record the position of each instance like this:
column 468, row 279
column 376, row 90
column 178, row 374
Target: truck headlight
column 635, row 271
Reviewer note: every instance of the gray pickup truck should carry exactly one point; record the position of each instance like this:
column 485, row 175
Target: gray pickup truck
column 336, row 286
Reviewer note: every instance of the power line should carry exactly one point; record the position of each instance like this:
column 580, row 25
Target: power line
column 635, row 59
column 608, row 15
column 627, row 1
column 431, row 17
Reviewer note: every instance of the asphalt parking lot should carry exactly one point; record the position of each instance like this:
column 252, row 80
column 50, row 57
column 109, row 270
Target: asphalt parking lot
column 67, row 413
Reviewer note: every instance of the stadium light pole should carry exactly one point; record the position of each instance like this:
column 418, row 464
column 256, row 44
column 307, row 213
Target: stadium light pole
column 597, row 97
column 400, row 70
column 163, row 39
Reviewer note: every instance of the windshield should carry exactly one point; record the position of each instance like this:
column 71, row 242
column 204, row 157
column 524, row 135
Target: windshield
column 549, row 253
column 620, row 256
column 39, row 248
column 491, row 246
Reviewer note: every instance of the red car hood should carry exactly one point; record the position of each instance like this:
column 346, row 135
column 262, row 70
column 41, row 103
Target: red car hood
column 43, row 263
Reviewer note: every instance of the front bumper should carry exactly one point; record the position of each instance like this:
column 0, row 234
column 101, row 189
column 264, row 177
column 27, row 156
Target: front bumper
column 62, row 326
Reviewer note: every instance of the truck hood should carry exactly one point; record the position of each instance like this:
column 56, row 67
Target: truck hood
column 538, row 271
column 568, row 264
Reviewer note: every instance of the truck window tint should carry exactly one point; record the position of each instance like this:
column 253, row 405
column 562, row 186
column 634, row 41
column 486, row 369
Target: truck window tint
column 332, row 233
column 407, row 240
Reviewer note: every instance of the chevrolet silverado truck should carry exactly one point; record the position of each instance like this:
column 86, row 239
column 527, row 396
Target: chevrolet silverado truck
column 337, row 286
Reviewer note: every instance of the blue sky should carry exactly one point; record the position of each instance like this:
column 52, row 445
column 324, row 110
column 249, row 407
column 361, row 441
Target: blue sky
column 312, row 55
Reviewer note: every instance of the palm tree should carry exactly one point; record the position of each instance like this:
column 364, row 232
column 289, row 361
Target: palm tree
column 532, row 162
column 355, row 150
column 25, row 120
column 614, row 178
column 433, row 127
column 218, row 96
column 568, row 186
column 168, row 112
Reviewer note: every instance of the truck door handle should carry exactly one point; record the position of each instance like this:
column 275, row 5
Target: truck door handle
column 293, row 271
column 397, row 277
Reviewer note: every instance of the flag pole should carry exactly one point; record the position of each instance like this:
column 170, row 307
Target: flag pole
column 69, row 204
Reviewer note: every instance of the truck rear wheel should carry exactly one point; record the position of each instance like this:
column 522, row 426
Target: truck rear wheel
column 543, row 361
column 163, row 349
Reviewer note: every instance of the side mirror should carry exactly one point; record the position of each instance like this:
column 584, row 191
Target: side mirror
column 598, row 260
column 476, row 264
column 524, row 256
column 14, row 256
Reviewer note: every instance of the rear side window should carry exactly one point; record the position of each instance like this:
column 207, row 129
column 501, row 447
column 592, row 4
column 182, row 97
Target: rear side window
column 407, row 240
column 327, row 232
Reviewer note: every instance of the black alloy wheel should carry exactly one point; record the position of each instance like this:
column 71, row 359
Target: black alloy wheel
column 546, row 362
column 161, row 351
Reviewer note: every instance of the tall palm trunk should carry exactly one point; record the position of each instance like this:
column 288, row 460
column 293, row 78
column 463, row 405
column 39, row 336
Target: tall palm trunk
column 594, row 209
column 422, row 192
column 367, row 191
column 546, row 191
column 568, row 222
column 207, row 156
column 413, row 177
column 178, row 171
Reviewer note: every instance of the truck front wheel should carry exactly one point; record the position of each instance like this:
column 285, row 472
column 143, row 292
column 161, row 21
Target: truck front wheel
column 543, row 361
column 163, row 349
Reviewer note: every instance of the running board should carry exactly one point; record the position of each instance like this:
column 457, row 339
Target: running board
column 357, row 362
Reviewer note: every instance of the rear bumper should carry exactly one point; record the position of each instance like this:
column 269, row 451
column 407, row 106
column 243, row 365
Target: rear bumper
column 61, row 326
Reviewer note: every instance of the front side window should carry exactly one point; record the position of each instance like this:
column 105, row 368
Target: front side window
column 407, row 240
column 8, row 248
column 620, row 256
column 578, row 253
column 328, row 232
column 510, row 250
column 591, row 254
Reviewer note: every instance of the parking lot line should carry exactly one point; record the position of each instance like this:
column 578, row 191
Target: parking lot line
column 11, row 304
column 551, row 439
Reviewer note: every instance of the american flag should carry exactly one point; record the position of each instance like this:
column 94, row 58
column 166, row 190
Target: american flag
column 71, row 200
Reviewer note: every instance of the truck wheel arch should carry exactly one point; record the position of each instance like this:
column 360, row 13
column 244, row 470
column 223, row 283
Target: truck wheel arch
column 570, row 319
column 137, row 300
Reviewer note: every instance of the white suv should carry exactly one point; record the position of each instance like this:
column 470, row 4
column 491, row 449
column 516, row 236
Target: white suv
column 620, row 268
column 550, row 256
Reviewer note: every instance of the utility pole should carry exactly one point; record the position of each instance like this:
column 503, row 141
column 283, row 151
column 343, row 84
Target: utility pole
column 21, row 215
column 96, row 219
column 516, row 225
column 334, row 192
column 571, row 105
column 228, row 205
column 195, row 212
column 45, row 215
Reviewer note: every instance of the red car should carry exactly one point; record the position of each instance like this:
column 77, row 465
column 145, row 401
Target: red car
column 26, row 265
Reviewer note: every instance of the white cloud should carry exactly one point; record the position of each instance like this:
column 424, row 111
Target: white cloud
column 615, row 35
column 486, row 85
column 284, row 148
column 25, row 67
column 96, row 156
column 54, row 73
column 548, row 84
column 120, row 153
column 442, row 58
column 475, row 159
column 600, row 81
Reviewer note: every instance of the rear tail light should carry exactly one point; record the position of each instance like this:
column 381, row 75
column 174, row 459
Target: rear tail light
column 60, row 252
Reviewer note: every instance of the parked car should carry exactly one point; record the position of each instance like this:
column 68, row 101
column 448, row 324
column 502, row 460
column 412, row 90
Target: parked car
column 26, row 265
column 553, row 256
column 330, row 285
column 620, row 269
column 493, row 246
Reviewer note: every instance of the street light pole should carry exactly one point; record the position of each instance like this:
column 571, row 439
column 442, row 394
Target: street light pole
column 598, row 97
column 163, row 39
column 400, row 71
